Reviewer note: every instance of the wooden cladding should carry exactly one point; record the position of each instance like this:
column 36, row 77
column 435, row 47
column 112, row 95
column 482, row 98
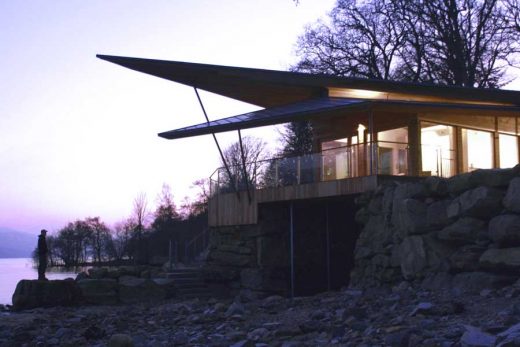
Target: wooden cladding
column 227, row 209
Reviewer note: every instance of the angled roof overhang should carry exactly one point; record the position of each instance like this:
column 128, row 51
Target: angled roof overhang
column 302, row 110
column 269, row 88
column 324, row 108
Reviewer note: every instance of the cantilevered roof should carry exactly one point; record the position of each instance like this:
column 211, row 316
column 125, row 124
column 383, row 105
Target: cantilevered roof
column 275, row 115
column 268, row 88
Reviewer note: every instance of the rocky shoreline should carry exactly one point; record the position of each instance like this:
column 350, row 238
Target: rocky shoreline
column 402, row 315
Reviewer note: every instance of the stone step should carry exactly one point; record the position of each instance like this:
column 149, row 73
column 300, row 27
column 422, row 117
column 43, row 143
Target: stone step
column 189, row 283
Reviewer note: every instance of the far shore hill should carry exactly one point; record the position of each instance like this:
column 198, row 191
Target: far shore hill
column 16, row 244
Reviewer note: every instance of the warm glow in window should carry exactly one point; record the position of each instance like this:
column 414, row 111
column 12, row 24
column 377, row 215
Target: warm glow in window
column 508, row 150
column 477, row 150
column 437, row 150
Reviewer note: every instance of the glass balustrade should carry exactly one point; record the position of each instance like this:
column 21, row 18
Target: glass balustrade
column 388, row 158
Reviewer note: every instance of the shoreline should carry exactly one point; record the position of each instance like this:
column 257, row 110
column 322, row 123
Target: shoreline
column 401, row 315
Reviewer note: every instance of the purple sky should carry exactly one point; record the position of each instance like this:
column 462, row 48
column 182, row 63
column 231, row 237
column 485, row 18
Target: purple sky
column 79, row 134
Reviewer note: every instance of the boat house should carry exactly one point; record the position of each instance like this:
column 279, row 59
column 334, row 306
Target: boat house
column 293, row 219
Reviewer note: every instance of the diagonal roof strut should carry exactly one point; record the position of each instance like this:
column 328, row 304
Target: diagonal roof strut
column 232, row 181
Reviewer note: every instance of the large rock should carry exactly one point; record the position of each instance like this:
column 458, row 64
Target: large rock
column 167, row 286
column 460, row 183
column 134, row 289
column 512, row 198
column 98, row 272
column 492, row 177
column 463, row 231
column 34, row 293
column 482, row 202
column 229, row 258
column 409, row 190
column 412, row 256
column 475, row 282
column 263, row 280
column 501, row 260
column 466, row 259
column 505, row 230
column 419, row 253
column 99, row 291
column 375, row 236
column 410, row 216
column 465, row 282
column 220, row 274
column 437, row 214
column 437, row 186
column 474, row 337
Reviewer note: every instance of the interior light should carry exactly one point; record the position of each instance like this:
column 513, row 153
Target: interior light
column 361, row 132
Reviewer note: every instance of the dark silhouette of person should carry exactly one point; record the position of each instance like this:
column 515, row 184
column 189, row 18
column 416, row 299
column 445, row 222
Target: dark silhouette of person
column 42, row 255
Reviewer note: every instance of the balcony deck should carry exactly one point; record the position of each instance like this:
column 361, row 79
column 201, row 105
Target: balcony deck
column 227, row 210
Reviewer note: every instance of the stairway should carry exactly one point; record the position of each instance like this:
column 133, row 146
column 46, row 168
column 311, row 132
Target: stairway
column 189, row 283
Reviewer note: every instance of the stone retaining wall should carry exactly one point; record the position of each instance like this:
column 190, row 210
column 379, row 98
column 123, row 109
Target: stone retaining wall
column 458, row 233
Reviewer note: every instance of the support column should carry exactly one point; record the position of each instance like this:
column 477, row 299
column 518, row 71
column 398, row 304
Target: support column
column 414, row 147
column 328, row 243
column 372, row 167
column 291, row 237
column 496, row 146
column 218, row 146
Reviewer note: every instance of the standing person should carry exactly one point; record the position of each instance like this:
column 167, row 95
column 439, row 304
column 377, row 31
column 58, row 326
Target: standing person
column 42, row 255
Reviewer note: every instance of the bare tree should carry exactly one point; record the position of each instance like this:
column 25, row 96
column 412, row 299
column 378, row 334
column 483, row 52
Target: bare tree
column 254, row 151
column 455, row 42
column 140, row 211
column 121, row 238
column 140, row 216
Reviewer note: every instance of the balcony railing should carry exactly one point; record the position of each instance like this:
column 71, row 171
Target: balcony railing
column 382, row 157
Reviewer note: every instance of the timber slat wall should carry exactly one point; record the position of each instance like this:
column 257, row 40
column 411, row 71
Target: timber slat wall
column 226, row 209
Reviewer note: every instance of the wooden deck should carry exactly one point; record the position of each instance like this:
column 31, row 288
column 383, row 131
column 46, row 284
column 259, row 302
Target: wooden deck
column 227, row 209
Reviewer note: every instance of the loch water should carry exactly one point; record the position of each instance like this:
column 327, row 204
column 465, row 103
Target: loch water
column 12, row 270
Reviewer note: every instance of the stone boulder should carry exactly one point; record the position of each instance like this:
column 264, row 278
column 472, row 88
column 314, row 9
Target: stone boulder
column 466, row 259
column 436, row 186
column 512, row 198
column 167, row 286
column 474, row 337
column 263, row 280
column 437, row 214
column 505, row 230
column 135, row 289
column 375, row 237
column 97, row 272
column 492, row 177
column 99, row 291
column 409, row 190
column 409, row 216
column 33, row 293
column 482, row 202
column 474, row 282
column 231, row 255
column 460, row 183
column 505, row 260
column 412, row 255
column 463, row 231
column 420, row 253
column 465, row 282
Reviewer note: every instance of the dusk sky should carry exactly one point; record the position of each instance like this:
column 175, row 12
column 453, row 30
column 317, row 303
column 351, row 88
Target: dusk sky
column 79, row 135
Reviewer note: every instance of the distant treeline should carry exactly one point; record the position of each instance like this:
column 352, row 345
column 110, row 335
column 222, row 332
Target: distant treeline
column 140, row 238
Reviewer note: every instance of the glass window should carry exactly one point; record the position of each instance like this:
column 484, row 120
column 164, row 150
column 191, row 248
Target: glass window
column 477, row 150
column 392, row 149
column 335, row 159
column 437, row 150
column 508, row 150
